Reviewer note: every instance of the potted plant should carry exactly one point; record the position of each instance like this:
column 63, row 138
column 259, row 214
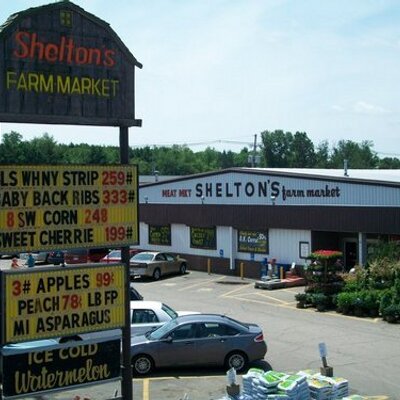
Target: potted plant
column 301, row 299
column 321, row 301
column 391, row 313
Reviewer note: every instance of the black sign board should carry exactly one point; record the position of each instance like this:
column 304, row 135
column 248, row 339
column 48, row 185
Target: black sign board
column 203, row 238
column 59, row 366
column 253, row 242
column 63, row 65
column 160, row 235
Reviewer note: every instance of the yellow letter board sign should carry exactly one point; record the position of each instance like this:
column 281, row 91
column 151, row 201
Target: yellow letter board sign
column 54, row 302
column 72, row 206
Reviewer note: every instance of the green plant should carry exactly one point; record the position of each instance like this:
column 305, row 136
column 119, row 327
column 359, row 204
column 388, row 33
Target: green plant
column 345, row 302
column 301, row 297
column 391, row 313
column 321, row 301
column 301, row 300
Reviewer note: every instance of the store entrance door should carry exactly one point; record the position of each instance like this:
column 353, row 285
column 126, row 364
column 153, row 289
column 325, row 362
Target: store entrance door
column 350, row 255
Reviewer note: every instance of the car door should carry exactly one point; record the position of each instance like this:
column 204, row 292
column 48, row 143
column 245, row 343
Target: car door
column 214, row 341
column 181, row 350
column 161, row 262
column 173, row 265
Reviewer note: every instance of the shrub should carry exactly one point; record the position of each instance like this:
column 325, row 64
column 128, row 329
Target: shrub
column 345, row 302
column 391, row 313
column 321, row 301
column 301, row 297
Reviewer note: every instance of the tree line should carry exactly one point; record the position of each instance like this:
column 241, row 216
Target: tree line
column 278, row 149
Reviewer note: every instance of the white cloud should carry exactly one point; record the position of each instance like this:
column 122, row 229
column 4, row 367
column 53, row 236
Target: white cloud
column 362, row 107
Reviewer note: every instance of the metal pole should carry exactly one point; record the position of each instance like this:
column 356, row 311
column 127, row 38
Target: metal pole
column 127, row 384
column 253, row 158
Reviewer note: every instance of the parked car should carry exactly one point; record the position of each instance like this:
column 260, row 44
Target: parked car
column 155, row 264
column 38, row 256
column 56, row 257
column 83, row 256
column 198, row 340
column 134, row 294
column 115, row 255
column 145, row 316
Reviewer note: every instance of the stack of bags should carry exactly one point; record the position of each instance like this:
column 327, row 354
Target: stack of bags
column 273, row 385
column 258, row 385
column 327, row 388
column 295, row 387
column 319, row 389
column 304, row 385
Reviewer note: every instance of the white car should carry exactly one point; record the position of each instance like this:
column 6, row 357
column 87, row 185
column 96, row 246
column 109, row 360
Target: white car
column 39, row 256
column 145, row 316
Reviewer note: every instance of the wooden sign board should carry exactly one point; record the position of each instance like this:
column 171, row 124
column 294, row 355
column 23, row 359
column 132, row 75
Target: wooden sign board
column 63, row 65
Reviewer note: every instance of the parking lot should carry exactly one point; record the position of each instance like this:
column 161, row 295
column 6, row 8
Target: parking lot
column 365, row 351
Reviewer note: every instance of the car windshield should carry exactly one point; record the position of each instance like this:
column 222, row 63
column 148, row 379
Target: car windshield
column 114, row 254
column 162, row 330
column 171, row 312
column 142, row 257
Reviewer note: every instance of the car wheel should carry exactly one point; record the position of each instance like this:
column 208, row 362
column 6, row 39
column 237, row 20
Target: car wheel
column 183, row 269
column 142, row 364
column 237, row 360
column 156, row 274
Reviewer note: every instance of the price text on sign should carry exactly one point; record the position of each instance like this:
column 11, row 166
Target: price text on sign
column 52, row 207
column 49, row 303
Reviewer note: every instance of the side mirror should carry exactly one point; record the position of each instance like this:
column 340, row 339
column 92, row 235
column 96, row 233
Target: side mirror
column 168, row 339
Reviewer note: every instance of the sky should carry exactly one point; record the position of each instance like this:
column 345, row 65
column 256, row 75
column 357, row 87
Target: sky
column 217, row 72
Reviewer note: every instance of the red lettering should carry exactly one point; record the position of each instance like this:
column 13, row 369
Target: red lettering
column 51, row 52
column 109, row 61
column 28, row 46
column 19, row 38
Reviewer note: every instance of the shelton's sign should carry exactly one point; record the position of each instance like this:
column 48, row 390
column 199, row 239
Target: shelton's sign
column 63, row 65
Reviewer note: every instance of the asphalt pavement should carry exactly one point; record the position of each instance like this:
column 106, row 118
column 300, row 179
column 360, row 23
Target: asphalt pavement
column 365, row 351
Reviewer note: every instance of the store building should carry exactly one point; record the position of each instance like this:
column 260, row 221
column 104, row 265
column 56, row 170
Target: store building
column 244, row 215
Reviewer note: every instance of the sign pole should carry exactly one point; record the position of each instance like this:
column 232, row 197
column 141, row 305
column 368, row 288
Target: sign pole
column 127, row 384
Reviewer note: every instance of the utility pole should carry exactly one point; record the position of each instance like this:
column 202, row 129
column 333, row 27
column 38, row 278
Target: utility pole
column 253, row 158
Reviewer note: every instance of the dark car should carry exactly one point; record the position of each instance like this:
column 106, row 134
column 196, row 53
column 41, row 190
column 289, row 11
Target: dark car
column 198, row 340
column 83, row 256
column 134, row 294
column 56, row 257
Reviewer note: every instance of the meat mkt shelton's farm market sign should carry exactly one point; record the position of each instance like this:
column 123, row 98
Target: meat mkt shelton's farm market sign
column 63, row 65
column 52, row 207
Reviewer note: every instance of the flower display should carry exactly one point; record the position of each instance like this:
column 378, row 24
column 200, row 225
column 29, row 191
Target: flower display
column 325, row 254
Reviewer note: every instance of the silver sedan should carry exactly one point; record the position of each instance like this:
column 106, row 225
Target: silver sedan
column 154, row 264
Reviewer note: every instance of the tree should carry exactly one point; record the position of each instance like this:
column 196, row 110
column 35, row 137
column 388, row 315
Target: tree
column 389, row 163
column 302, row 154
column 43, row 150
column 12, row 150
column 277, row 148
column 358, row 155
column 322, row 155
